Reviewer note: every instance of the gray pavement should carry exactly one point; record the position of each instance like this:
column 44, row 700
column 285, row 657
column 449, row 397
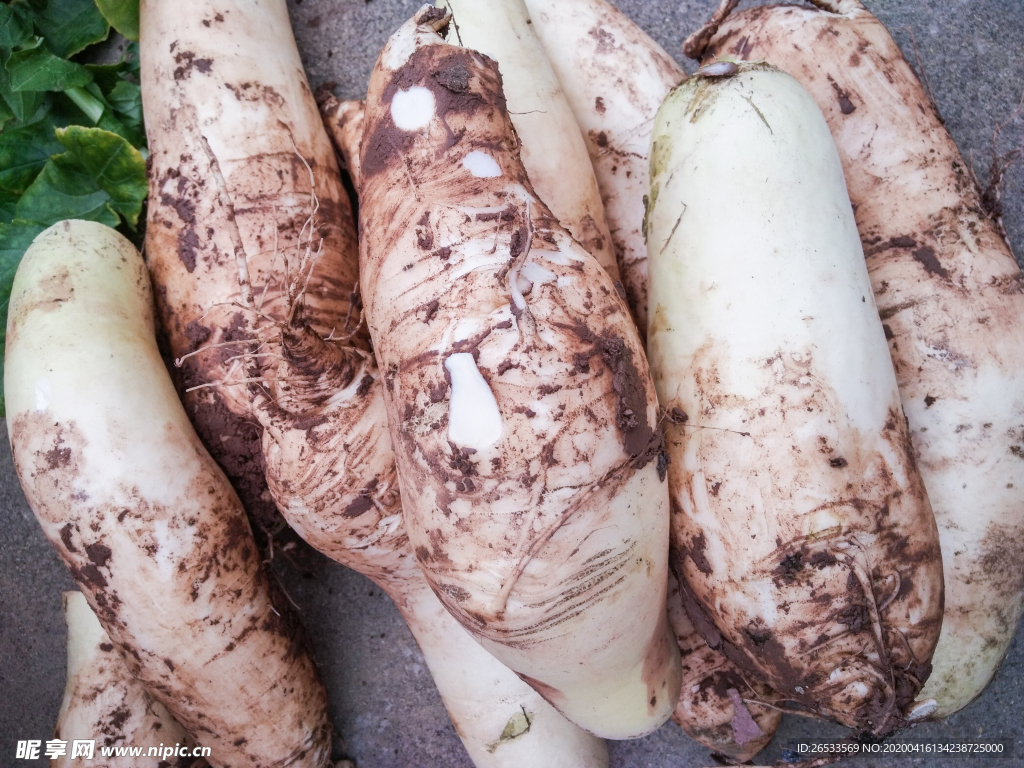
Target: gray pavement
column 383, row 701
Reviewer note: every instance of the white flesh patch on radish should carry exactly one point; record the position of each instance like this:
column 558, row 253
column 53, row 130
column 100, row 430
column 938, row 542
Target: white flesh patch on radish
column 481, row 165
column 412, row 110
column 467, row 327
column 43, row 393
column 536, row 274
column 479, row 254
column 474, row 420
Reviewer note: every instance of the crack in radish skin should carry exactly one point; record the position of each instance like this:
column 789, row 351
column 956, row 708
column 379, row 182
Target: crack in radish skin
column 481, row 165
column 412, row 110
column 474, row 420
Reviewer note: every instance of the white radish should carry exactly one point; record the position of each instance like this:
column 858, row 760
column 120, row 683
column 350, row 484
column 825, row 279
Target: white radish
column 145, row 521
column 806, row 546
column 950, row 295
column 237, row 150
column 549, row 544
column 104, row 704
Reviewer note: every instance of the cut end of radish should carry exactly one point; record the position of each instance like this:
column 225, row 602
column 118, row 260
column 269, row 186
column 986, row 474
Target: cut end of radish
column 481, row 165
column 474, row 420
column 412, row 110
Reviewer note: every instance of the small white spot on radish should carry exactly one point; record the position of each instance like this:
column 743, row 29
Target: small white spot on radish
column 481, row 165
column 412, row 110
column 548, row 336
column 564, row 281
column 719, row 69
column 296, row 507
column 474, row 420
column 857, row 690
column 557, row 257
column 822, row 524
column 43, row 394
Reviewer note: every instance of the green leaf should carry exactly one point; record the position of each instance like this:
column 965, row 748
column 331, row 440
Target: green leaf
column 14, row 241
column 71, row 25
column 6, row 115
column 8, row 207
column 36, row 69
column 126, row 98
column 118, row 167
column 15, row 25
column 64, row 190
column 123, row 15
column 21, row 105
column 131, row 132
column 100, row 176
column 23, row 154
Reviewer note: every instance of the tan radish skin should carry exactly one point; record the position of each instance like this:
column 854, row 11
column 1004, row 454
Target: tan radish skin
column 230, row 122
column 553, row 150
column 717, row 707
column 325, row 445
column 145, row 521
column 530, row 481
column 952, row 300
column 614, row 77
column 344, row 123
column 804, row 540
column 102, row 702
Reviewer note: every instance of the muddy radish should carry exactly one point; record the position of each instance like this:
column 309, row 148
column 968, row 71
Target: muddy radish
column 519, row 402
column 804, row 541
column 952, row 300
column 147, row 524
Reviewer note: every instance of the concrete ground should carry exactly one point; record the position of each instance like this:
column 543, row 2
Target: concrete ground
column 383, row 701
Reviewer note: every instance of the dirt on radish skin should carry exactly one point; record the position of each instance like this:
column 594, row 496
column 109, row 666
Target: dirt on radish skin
column 232, row 125
column 552, row 145
column 615, row 78
column 950, row 295
column 717, row 706
column 574, row 453
column 148, row 525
